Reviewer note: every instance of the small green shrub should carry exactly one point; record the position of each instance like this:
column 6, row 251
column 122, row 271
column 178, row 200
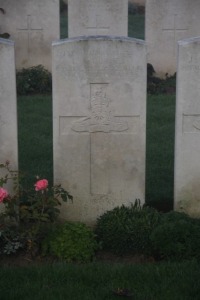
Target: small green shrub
column 71, row 242
column 34, row 80
column 134, row 9
column 174, row 216
column 156, row 85
column 10, row 240
column 27, row 215
column 4, row 35
column 126, row 230
column 63, row 6
column 177, row 237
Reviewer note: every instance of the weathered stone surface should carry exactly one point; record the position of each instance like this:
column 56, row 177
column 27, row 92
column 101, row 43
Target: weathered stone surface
column 97, row 17
column 187, row 134
column 33, row 25
column 168, row 21
column 99, row 116
column 8, row 107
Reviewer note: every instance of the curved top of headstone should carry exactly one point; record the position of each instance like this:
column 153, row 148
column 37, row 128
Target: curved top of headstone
column 6, row 42
column 98, row 38
column 191, row 40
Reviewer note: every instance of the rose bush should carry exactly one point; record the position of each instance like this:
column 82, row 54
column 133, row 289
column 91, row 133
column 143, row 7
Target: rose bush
column 41, row 185
column 27, row 215
column 3, row 194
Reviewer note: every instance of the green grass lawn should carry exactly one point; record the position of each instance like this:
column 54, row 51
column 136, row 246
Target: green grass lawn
column 136, row 26
column 96, row 281
column 35, row 137
column 160, row 151
column 63, row 25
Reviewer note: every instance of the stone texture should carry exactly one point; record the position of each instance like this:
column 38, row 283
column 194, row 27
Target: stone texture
column 187, row 134
column 8, row 106
column 97, row 17
column 168, row 21
column 33, row 25
column 99, row 116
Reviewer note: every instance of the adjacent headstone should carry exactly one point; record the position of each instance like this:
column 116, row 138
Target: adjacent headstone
column 33, row 25
column 8, row 106
column 187, row 134
column 99, row 116
column 97, row 17
column 168, row 21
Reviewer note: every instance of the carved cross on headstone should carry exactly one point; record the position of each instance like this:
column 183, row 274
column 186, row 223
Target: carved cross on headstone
column 175, row 26
column 29, row 29
column 96, row 21
column 100, row 123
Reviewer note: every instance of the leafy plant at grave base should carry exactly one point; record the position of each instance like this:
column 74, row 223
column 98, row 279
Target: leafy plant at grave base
column 126, row 230
column 10, row 241
column 177, row 237
column 174, row 216
column 34, row 80
column 71, row 241
column 134, row 8
column 27, row 215
column 156, row 85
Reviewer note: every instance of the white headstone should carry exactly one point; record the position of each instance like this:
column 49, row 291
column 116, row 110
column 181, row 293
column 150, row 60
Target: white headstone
column 8, row 106
column 33, row 25
column 187, row 134
column 97, row 17
column 168, row 21
column 99, row 117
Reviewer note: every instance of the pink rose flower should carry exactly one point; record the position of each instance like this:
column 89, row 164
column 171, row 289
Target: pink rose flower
column 41, row 185
column 3, row 194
